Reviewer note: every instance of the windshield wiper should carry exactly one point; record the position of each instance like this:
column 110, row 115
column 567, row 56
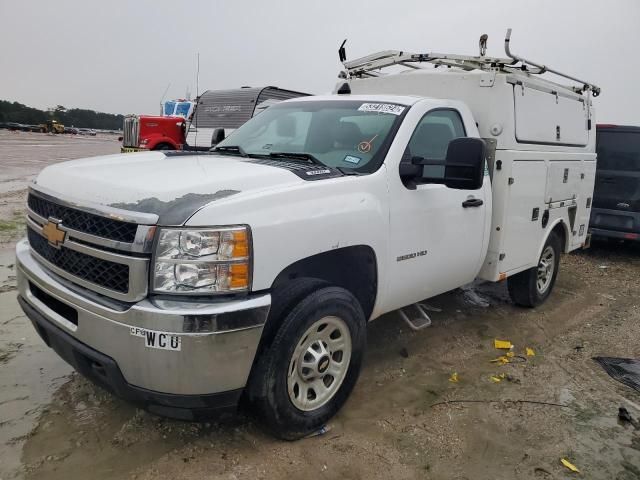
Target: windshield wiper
column 234, row 149
column 297, row 156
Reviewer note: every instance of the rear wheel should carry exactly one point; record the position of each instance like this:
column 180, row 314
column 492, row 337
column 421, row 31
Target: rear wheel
column 164, row 146
column 309, row 369
column 532, row 287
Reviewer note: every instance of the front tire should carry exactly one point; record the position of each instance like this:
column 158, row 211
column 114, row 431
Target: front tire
column 309, row 369
column 532, row 287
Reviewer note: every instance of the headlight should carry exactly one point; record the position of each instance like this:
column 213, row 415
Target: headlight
column 202, row 261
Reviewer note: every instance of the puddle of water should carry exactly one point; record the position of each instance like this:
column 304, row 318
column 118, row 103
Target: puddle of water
column 54, row 423
column 29, row 373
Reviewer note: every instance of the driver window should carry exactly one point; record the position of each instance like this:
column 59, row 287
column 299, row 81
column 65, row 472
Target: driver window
column 431, row 139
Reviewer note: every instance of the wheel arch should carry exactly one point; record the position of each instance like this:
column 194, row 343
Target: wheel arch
column 353, row 268
column 560, row 228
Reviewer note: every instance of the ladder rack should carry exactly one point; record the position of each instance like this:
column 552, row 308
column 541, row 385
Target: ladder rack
column 372, row 65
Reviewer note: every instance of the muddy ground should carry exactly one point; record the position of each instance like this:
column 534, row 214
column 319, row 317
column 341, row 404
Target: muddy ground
column 405, row 419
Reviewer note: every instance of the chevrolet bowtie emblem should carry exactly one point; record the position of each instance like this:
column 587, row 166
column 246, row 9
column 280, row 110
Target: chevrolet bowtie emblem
column 54, row 233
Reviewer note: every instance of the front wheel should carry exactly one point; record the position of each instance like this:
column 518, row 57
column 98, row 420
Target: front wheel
column 532, row 287
column 313, row 363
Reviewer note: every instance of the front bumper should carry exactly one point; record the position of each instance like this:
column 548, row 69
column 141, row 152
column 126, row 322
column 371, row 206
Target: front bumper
column 133, row 149
column 100, row 338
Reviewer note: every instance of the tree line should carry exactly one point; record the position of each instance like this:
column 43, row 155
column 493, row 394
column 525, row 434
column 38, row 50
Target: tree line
column 73, row 117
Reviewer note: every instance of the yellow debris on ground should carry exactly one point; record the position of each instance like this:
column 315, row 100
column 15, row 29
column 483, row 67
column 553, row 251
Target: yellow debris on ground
column 502, row 344
column 569, row 465
column 454, row 377
column 502, row 360
column 530, row 352
column 497, row 378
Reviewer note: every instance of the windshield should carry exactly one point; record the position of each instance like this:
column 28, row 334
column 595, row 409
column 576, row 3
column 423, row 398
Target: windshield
column 169, row 107
column 345, row 134
column 619, row 151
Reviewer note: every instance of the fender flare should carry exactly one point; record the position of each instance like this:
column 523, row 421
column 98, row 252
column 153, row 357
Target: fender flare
column 550, row 228
column 328, row 266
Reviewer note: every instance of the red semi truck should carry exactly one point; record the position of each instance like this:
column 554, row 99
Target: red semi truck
column 216, row 113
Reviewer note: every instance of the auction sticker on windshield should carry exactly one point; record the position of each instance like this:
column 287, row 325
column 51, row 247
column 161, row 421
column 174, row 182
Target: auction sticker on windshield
column 382, row 108
column 159, row 340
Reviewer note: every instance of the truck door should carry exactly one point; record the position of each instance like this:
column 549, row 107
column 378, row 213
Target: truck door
column 437, row 236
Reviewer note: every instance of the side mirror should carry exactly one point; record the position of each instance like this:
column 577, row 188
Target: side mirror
column 464, row 165
column 217, row 136
column 410, row 172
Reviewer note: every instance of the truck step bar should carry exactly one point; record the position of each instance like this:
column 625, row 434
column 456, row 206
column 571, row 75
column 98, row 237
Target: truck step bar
column 372, row 65
column 419, row 321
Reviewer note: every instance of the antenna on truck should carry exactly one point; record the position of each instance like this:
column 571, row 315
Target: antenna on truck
column 372, row 65
column 195, row 141
column 162, row 98
column 342, row 52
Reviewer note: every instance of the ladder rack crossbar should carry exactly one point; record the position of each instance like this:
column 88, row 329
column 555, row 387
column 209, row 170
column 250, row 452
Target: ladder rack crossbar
column 372, row 65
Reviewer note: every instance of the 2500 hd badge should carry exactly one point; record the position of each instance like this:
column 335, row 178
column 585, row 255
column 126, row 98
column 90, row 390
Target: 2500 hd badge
column 409, row 256
column 159, row 340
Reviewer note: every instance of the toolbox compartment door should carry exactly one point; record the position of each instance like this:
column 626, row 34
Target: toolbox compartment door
column 544, row 116
column 564, row 180
column 525, row 206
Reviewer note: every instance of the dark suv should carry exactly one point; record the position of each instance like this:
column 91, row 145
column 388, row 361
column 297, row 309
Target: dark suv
column 616, row 199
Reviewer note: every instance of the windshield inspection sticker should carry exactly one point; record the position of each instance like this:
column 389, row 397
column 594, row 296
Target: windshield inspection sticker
column 352, row 159
column 382, row 108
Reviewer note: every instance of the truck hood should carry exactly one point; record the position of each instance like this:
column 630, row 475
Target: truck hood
column 172, row 186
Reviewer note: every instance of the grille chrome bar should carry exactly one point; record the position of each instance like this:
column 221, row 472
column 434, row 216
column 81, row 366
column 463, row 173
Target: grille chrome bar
column 142, row 243
column 130, row 131
column 95, row 208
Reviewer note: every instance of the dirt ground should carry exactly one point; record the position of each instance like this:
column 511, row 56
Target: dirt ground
column 405, row 419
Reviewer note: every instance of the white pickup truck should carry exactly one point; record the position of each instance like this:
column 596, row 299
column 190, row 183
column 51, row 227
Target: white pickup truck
column 185, row 282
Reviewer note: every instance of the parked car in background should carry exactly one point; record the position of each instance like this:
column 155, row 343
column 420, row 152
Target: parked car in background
column 87, row 131
column 71, row 130
column 616, row 199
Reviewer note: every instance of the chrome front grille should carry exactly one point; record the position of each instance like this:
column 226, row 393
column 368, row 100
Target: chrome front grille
column 131, row 131
column 83, row 221
column 100, row 248
column 110, row 275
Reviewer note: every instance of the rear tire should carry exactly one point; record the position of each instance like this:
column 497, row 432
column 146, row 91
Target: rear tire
column 532, row 287
column 306, row 373
column 164, row 146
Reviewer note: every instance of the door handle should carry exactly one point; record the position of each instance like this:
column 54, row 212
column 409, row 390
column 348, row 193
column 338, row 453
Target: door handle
column 472, row 202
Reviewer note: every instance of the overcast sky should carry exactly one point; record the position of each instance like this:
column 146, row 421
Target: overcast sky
column 119, row 56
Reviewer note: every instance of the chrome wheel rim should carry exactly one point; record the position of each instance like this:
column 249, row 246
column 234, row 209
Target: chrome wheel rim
column 546, row 267
column 319, row 364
